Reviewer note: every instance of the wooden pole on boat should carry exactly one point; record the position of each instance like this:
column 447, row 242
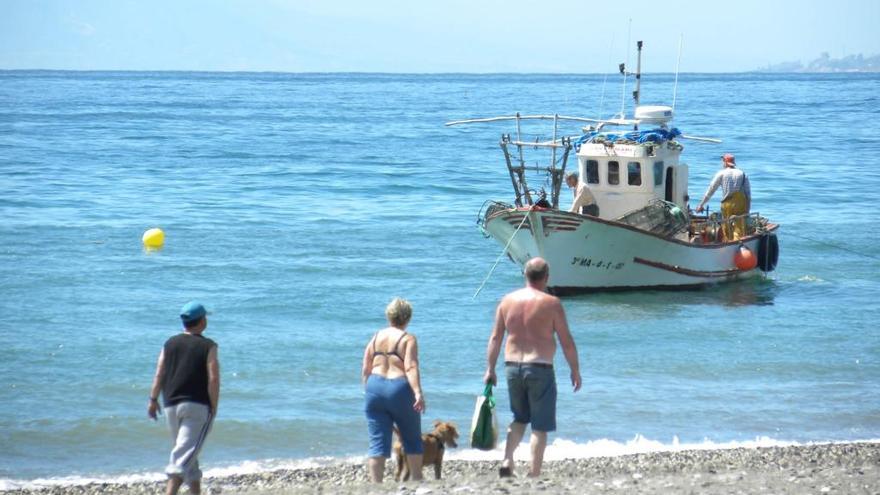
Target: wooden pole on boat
column 559, row 175
column 623, row 68
column 555, row 132
column 517, row 200
column 522, row 162
column 638, row 77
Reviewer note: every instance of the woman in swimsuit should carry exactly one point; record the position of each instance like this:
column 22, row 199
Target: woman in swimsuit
column 394, row 392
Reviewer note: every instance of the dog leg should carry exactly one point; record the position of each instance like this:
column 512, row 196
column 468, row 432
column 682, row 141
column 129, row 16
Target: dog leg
column 438, row 467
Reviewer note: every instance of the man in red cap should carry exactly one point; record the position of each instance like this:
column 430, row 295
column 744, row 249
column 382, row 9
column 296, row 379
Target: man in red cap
column 737, row 198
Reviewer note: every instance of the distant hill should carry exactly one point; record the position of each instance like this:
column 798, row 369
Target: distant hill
column 851, row 63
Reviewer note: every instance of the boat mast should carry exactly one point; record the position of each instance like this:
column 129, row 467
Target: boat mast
column 638, row 77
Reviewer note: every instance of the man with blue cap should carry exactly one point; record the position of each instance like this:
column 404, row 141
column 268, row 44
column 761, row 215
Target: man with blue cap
column 188, row 376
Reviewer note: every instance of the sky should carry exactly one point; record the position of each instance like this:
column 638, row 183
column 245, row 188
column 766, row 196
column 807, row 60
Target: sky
column 418, row 36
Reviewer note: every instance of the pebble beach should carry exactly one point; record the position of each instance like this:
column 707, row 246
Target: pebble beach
column 851, row 468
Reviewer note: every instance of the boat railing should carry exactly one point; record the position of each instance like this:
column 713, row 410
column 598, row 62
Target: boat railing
column 710, row 228
column 490, row 207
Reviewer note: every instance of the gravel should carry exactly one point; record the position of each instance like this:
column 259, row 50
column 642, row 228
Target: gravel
column 851, row 468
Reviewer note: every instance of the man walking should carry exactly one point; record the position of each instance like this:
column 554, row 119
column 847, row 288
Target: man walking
column 188, row 375
column 737, row 199
column 532, row 320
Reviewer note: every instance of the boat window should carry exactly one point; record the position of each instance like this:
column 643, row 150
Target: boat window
column 634, row 173
column 613, row 173
column 592, row 172
column 658, row 173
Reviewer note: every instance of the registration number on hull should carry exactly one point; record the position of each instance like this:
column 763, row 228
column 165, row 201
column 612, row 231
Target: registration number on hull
column 591, row 263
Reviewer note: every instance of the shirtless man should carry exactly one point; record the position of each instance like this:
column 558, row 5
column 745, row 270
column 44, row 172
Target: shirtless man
column 531, row 317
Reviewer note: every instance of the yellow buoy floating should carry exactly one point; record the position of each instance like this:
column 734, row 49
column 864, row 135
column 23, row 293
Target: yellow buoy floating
column 154, row 238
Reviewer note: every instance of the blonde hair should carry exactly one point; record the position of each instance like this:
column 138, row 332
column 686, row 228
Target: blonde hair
column 398, row 312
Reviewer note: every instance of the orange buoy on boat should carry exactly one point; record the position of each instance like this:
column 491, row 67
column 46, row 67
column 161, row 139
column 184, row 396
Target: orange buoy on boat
column 745, row 259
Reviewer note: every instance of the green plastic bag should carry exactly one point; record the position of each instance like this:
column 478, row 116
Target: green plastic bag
column 484, row 426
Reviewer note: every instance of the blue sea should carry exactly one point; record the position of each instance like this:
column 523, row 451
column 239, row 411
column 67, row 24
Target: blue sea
column 295, row 206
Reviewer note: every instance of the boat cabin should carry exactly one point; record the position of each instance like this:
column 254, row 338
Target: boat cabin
column 627, row 170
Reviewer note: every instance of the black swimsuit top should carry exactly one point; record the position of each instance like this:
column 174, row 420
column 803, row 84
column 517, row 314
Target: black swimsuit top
column 387, row 354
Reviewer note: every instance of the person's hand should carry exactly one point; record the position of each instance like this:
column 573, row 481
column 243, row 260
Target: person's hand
column 153, row 409
column 419, row 405
column 489, row 377
column 576, row 380
column 699, row 209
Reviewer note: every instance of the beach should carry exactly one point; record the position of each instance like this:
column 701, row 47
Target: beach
column 851, row 468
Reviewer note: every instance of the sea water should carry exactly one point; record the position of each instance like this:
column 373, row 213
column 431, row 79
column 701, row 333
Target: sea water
column 296, row 206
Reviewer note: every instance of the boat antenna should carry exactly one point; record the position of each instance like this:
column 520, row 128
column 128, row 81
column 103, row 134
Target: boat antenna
column 677, row 65
column 605, row 79
column 636, row 92
column 623, row 71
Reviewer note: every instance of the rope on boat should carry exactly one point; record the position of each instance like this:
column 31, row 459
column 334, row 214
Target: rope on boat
column 503, row 252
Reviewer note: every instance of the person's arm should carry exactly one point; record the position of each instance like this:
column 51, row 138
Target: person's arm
column 575, row 201
column 411, row 367
column 493, row 349
column 747, row 190
column 569, row 349
column 213, row 379
column 367, row 366
column 713, row 186
column 158, row 378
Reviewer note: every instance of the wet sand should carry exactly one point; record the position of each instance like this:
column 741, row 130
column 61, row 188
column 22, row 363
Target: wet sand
column 852, row 468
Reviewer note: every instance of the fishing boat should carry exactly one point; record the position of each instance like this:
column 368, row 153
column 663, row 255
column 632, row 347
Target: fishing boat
column 641, row 233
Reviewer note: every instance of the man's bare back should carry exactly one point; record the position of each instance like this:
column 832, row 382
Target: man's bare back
column 530, row 317
column 532, row 320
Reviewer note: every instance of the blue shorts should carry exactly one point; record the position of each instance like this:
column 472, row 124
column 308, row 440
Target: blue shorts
column 390, row 401
column 532, row 390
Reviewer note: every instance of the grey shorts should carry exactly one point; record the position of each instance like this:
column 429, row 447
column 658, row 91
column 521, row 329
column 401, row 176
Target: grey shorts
column 532, row 389
column 189, row 423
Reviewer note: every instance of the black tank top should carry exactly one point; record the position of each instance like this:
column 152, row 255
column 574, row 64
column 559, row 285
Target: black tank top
column 186, row 369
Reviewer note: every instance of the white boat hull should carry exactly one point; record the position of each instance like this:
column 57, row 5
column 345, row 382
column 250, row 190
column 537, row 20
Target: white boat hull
column 588, row 253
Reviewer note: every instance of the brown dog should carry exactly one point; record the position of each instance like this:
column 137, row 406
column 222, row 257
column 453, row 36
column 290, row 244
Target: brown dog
column 444, row 435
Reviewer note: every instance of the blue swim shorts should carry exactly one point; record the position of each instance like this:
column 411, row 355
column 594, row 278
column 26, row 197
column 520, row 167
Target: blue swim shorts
column 391, row 402
column 532, row 389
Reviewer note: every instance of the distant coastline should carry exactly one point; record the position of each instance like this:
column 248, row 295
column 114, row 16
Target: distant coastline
column 824, row 64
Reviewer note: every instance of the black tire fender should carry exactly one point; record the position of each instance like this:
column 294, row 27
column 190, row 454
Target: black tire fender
column 768, row 252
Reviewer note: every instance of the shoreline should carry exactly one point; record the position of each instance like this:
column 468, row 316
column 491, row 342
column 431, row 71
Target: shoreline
column 822, row 468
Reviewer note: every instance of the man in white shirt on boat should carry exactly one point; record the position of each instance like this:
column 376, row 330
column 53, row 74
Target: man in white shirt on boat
column 583, row 202
column 737, row 198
